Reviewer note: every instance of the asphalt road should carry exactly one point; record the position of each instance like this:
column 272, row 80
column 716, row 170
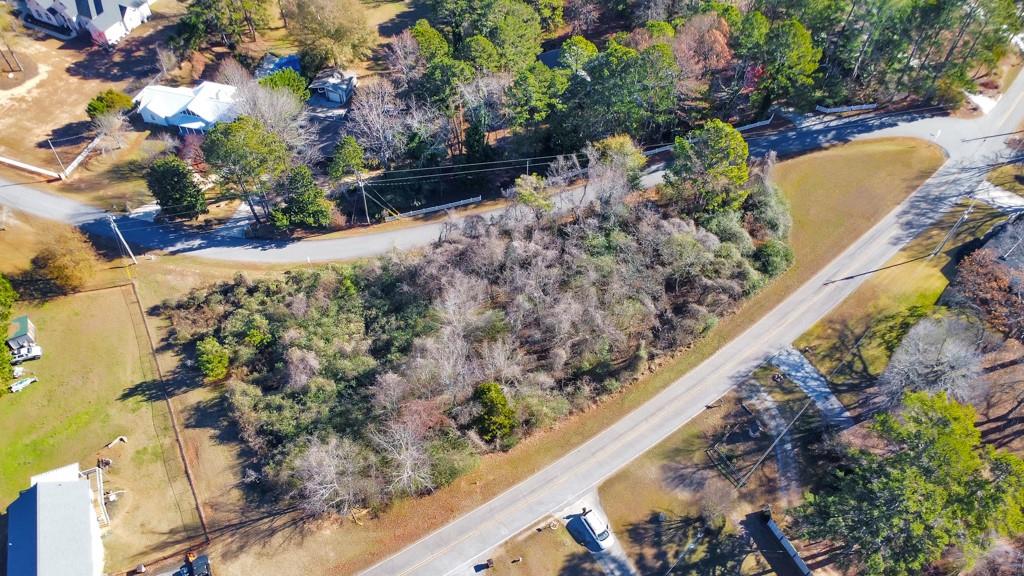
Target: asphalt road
column 970, row 149
column 227, row 244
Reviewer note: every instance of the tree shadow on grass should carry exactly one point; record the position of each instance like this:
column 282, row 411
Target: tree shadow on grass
column 70, row 134
column 174, row 384
column 581, row 564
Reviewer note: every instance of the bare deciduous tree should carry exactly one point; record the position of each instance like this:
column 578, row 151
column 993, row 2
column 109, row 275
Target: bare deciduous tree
column 484, row 97
column 232, row 73
column 336, row 475
column 403, row 57
column 302, row 366
column 937, row 355
column 717, row 499
column 408, row 467
column 376, row 121
column 111, row 129
column 389, row 392
column 701, row 47
column 166, row 59
column 582, row 15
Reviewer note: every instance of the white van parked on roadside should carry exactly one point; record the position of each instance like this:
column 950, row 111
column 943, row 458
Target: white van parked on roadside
column 598, row 527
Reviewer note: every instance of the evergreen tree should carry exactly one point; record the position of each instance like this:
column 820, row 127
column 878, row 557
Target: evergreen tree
column 173, row 185
column 938, row 487
column 305, row 205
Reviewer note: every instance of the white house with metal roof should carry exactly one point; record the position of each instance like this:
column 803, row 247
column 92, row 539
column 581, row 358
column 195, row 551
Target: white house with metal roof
column 106, row 21
column 53, row 528
column 191, row 110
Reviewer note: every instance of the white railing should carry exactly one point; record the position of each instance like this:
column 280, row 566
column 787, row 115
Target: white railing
column 853, row 108
column 30, row 168
column 432, row 209
column 96, row 474
column 756, row 124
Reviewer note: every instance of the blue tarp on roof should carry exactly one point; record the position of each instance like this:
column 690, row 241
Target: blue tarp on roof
column 272, row 63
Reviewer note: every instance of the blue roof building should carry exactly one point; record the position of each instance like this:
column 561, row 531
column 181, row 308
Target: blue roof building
column 273, row 63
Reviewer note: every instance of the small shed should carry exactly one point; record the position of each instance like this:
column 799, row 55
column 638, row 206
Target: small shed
column 335, row 86
column 21, row 333
column 273, row 63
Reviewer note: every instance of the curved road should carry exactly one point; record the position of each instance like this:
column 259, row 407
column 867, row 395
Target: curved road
column 228, row 242
column 455, row 547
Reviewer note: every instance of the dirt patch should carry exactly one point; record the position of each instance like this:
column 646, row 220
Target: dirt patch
column 16, row 69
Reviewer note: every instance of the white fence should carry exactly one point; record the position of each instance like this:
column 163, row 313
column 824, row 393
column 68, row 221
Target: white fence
column 80, row 158
column 30, row 168
column 432, row 209
column 855, row 107
column 756, row 124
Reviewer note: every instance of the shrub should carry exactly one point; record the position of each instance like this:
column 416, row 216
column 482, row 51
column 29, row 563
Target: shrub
column 773, row 257
column 660, row 29
column 497, row 420
column 212, row 358
column 6, row 370
column 541, row 409
column 451, row 456
column 726, row 225
column 769, row 210
column 289, row 80
column 108, row 101
column 7, row 298
column 69, row 261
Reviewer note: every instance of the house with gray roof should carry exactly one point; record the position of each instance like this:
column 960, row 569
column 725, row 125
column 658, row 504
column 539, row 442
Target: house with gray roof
column 53, row 528
column 106, row 21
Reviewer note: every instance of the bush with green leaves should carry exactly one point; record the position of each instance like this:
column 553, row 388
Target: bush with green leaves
column 451, row 456
column 349, row 158
column 773, row 257
column 213, row 359
column 290, row 80
column 108, row 101
column 305, row 205
column 497, row 421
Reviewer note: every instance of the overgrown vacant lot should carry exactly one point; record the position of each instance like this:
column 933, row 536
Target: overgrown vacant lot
column 853, row 343
column 96, row 383
column 835, row 220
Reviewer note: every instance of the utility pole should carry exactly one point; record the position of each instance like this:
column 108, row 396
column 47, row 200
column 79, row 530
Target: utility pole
column 113, row 226
column 362, row 189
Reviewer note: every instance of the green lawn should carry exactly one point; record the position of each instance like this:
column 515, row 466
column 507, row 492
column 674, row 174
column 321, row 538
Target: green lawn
column 853, row 343
column 1009, row 177
column 95, row 383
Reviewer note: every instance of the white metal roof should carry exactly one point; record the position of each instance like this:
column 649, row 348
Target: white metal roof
column 52, row 528
column 210, row 101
